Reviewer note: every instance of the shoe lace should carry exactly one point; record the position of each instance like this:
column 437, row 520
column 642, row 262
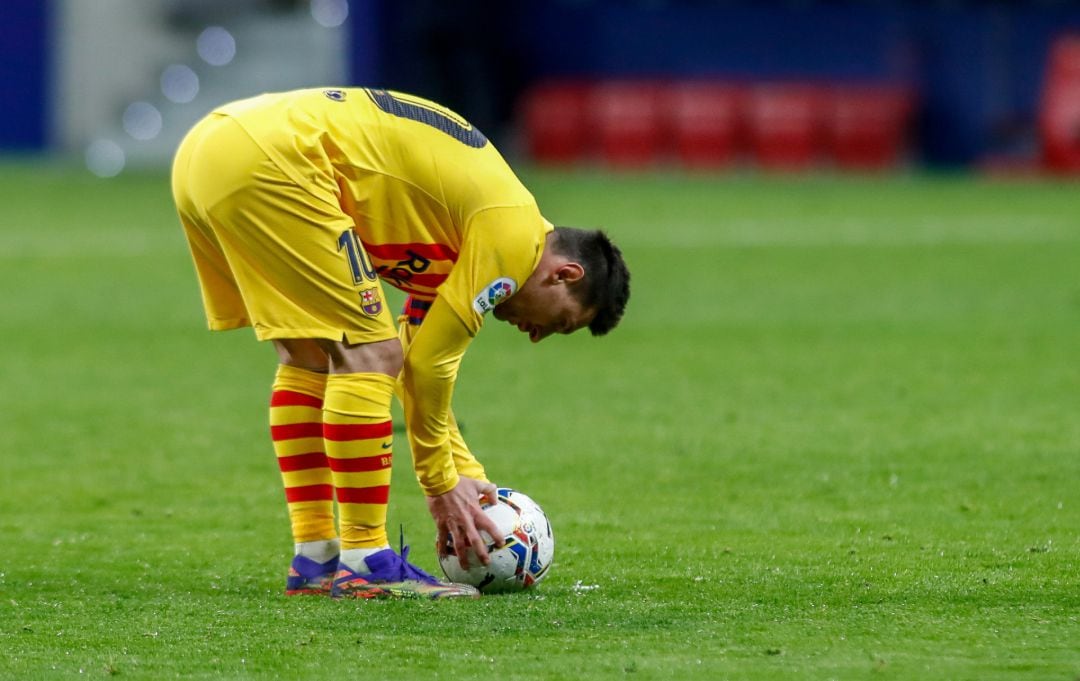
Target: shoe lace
column 408, row 570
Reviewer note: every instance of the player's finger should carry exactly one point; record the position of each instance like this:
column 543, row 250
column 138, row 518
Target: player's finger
column 442, row 542
column 489, row 492
column 485, row 523
column 464, row 557
column 477, row 544
column 461, row 546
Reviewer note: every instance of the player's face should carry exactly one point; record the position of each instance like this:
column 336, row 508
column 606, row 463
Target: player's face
column 543, row 310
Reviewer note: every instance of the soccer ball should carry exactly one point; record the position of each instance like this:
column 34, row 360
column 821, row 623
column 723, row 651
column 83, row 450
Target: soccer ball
column 524, row 559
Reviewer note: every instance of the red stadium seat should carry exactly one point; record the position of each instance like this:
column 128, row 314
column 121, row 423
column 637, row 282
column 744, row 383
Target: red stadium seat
column 555, row 121
column 1059, row 115
column 1065, row 59
column 628, row 123
column 784, row 125
column 705, row 120
column 866, row 127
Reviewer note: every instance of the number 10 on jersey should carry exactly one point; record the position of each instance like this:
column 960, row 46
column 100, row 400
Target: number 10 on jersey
column 359, row 264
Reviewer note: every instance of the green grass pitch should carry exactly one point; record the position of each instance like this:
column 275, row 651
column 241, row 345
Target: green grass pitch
column 837, row 436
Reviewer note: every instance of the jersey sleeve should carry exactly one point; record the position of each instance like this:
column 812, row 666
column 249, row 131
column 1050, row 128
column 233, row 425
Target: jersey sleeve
column 464, row 462
column 431, row 367
column 501, row 248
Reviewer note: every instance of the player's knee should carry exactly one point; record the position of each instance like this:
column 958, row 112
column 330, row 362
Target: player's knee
column 384, row 357
column 302, row 353
column 393, row 358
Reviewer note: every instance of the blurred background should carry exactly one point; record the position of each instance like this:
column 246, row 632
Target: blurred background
column 792, row 85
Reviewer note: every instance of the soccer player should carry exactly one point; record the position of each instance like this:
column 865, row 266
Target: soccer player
column 297, row 206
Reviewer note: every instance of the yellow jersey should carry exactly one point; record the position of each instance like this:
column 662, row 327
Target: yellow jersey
column 438, row 210
column 440, row 216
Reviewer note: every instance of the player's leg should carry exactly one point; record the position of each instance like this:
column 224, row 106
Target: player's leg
column 356, row 422
column 358, row 434
column 214, row 163
column 296, row 403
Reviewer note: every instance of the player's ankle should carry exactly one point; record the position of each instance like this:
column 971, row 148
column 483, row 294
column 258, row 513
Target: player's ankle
column 354, row 558
column 320, row 551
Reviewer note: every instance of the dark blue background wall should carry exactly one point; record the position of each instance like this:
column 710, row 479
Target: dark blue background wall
column 24, row 73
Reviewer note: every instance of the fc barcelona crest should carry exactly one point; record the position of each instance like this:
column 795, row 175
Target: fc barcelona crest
column 370, row 302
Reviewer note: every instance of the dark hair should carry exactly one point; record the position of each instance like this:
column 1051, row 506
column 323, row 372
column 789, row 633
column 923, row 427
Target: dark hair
column 606, row 286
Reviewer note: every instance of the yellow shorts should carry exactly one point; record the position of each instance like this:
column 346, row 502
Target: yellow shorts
column 269, row 254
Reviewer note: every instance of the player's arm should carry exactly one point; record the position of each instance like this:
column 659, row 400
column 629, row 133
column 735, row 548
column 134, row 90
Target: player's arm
column 464, row 461
column 428, row 377
column 430, row 372
column 500, row 250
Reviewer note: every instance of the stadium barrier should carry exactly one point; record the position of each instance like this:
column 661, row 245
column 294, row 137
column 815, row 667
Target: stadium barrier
column 785, row 125
column 706, row 125
column 555, row 120
column 716, row 124
column 628, row 122
column 1059, row 115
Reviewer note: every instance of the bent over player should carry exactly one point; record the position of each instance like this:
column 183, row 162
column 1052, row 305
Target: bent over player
column 296, row 206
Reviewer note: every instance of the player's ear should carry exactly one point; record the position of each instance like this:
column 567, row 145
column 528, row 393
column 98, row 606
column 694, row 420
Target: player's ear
column 569, row 272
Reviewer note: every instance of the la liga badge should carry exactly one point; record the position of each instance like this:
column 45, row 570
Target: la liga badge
column 493, row 294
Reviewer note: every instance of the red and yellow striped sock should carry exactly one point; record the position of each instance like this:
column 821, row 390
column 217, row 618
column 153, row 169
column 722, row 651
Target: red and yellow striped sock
column 296, row 429
column 358, row 435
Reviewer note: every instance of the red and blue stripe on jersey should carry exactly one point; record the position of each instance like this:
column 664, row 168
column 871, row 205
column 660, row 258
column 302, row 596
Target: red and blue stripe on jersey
column 415, row 268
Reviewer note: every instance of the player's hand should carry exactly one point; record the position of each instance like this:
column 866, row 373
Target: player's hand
column 458, row 512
